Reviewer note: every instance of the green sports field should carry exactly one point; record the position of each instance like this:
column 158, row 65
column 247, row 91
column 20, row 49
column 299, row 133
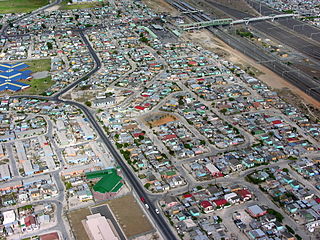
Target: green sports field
column 21, row 6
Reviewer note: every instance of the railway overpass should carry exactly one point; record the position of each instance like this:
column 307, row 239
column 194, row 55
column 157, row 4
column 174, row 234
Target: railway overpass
column 230, row 21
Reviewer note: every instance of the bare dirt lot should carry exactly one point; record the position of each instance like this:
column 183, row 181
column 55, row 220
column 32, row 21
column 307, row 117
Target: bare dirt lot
column 75, row 218
column 161, row 6
column 162, row 120
column 130, row 217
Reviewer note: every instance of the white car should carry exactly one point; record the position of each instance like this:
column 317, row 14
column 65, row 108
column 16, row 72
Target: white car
column 147, row 206
column 157, row 211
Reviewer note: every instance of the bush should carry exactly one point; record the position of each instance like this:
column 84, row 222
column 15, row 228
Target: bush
column 298, row 237
column 278, row 215
column 88, row 103
column 290, row 230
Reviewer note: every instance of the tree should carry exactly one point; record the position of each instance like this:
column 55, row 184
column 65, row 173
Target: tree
column 278, row 215
column 68, row 185
column 286, row 170
column 88, row 103
column 223, row 110
column 49, row 45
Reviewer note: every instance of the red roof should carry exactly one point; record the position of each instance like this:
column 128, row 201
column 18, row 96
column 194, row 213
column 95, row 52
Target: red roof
column 205, row 204
column 169, row 136
column 192, row 63
column 317, row 200
column 276, row 122
column 29, row 220
column 50, row 236
column 139, row 107
column 292, row 139
column 187, row 196
column 244, row 193
column 220, row 202
column 145, row 95
column 138, row 134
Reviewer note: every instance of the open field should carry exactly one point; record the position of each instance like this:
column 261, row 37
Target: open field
column 161, row 6
column 21, row 6
column 37, row 86
column 162, row 120
column 129, row 215
column 39, row 65
column 75, row 218
column 64, row 5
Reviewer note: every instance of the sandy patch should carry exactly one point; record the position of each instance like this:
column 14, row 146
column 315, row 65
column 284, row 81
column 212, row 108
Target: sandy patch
column 161, row 6
column 162, row 120
column 53, row 8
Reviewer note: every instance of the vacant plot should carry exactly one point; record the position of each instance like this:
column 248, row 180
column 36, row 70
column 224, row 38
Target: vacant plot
column 75, row 218
column 162, row 120
column 65, row 6
column 38, row 65
column 130, row 217
column 21, row 6
column 161, row 6
column 37, row 86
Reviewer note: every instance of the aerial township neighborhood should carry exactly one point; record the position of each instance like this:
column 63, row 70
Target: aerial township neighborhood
column 206, row 148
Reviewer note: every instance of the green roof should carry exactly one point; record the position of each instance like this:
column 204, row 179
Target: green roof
column 109, row 183
column 100, row 174
column 169, row 173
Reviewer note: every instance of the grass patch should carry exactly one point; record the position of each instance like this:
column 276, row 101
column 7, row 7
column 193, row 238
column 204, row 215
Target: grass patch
column 75, row 218
column 37, row 86
column 21, row 6
column 64, row 5
column 38, row 65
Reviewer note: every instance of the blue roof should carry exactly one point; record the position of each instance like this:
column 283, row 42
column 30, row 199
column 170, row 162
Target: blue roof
column 10, row 87
column 10, row 75
column 14, row 66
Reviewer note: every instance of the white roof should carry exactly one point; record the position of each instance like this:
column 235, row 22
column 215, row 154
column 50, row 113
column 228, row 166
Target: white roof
column 212, row 168
column 99, row 228
column 8, row 217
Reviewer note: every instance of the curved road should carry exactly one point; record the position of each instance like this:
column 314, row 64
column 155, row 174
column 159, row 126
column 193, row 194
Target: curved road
column 139, row 189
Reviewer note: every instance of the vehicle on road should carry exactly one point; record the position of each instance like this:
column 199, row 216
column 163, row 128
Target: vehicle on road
column 157, row 211
column 147, row 206
column 142, row 199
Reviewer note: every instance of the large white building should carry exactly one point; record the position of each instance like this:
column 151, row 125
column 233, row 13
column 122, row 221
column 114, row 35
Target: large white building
column 99, row 228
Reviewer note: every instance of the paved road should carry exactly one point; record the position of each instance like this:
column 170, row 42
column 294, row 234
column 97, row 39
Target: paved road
column 157, row 218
